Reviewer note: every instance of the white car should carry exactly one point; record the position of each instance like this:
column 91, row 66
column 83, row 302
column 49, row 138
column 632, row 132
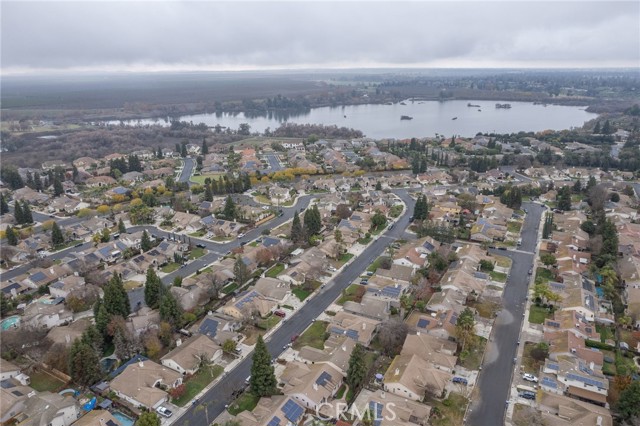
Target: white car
column 240, row 235
column 530, row 378
column 164, row 411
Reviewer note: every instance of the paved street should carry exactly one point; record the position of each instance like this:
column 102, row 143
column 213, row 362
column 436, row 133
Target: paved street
column 495, row 378
column 187, row 170
column 212, row 403
column 274, row 164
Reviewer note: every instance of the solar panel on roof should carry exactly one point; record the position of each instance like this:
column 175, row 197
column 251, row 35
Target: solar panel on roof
column 391, row 291
column 553, row 366
column 352, row 334
column 423, row 323
column 454, row 319
column 376, row 409
column 553, row 324
column 588, row 330
column 549, row 383
column 292, row 411
column 275, row 421
column 38, row 276
column 323, row 379
column 586, row 380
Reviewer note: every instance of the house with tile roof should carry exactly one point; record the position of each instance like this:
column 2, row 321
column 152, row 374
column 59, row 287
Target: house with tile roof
column 139, row 384
column 187, row 357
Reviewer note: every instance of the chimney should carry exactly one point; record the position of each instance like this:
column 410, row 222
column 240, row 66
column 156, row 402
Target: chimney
column 140, row 364
column 417, row 333
column 178, row 342
column 51, row 271
column 591, row 365
column 344, row 348
column 397, row 372
column 382, row 394
column 364, row 325
column 315, row 386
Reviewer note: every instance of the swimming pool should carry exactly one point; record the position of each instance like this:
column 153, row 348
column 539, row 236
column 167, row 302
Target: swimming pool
column 122, row 419
column 11, row 322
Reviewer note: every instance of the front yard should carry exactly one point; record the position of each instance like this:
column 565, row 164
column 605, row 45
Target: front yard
column 537, row 314
column 498, row 276
column 514, row 227
column 471, row 357
column 170, row 267
column 353, row 293
column 448, row 412
column 275, row 270
column 245, row 402
column 313, row 336
column 196, row 253
column 197, row 382
column 269, row 322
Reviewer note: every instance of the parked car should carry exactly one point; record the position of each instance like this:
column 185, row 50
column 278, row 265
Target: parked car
column 528, row 395
column 164, row 411
column 460, row 380
column 240, row 235
column 281, row 314
column 294, row 337
column 200, row 245
column 364, row 281
column 530, row 378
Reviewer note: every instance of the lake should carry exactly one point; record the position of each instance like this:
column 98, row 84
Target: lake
column 429, row 118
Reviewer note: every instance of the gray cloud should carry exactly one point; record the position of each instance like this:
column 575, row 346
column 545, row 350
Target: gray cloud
column 224, row 35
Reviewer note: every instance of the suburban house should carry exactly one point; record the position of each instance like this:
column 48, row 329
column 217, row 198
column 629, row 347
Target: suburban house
column 357, row 328
column 187, row 357
column 141, row 384
column 310, row 384
column 411, row 376
column 393, row 410
column 275, row 410
column 337, row 351
column 247, row 303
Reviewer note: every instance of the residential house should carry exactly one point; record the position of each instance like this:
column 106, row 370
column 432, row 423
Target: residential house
column 247, row 304
column 557, row 410
column 186, row 221
column 46, row 408
column 189, row 356
column 141, row 384
column 273, row 289
column 142, row 320
column 46, row 313
column 412, row 377
column 219, row 327
column 98, row 418
column 66, row 335
column 336, row 352
column 370, row 307
column 310, row 384
column 579, row 379
column 357, row 328
column 439, row 352
column 275, row 410
column 392, row 410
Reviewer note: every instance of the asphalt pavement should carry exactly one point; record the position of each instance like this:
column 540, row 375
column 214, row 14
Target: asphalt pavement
column 495, row 377
column 213, row 402
column 187, row 169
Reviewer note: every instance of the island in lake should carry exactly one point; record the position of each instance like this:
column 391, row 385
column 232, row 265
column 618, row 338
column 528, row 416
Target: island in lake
column 406, row 117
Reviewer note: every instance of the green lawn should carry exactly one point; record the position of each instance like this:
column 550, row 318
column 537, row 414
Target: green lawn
column 229, row 288
column 67, row 245
column 170, row 267
column 514, row 226
column 275, row 270
column 605, row 332
column 270, row 322
column 300, row 292
column 537, row 314
column 197, row 382
column 245, row 402
column 340, row 392
column 375, row 265
column 364, row 241
column 313, row 336
column 352, row 293
column 498, row 276
column 196, row 253
column 43, row 381
column 201, row 178
column 200, row 233
column 544, row 274
column 344, row 258
column 502, row 261
column 396, row 211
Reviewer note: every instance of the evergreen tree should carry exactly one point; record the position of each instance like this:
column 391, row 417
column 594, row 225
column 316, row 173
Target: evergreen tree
column 58, row 190
column 312, row 221
column 4, row 206
column 57, row 237
column 183, row 150
column 465, row 327
column 415, row 165
column 84, row 364
column 6, row 305
column 178, row 149
column 159, row 154
column 121, row 228
column 205, row 147
column 263, row 380
column 11, row 177
column 229, row 210
column 378, row 186
column 30, row 183
column 12, row 236
column 577, row 187
column 26, row 212
column 297, row 234
column 102, row 317
column 116, row 301
column 170, row 310
column 596, row 129
column 37, row 181
column 357, row 368
column 17, row 213
column 208, row 193
column 421, row 209
column 148, row 418
column 564, row 199
column 240, row 271
column 93, row 338
column 590, row 184
column 606, row 129
column 145, row 241
column 152, row 289
column 629, row 401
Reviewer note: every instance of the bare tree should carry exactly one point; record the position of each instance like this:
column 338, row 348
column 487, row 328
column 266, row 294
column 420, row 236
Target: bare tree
column 392, row 335
column 597, row 197
column 214, row 285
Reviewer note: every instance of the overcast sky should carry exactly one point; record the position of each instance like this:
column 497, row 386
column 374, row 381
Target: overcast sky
column 187, row 35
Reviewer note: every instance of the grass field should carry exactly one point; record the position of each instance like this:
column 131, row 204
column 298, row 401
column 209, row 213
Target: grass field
column 498, row 276
column 313, row 336
column 43, row 381
column 514, row 227
column 130, row 285
column 197, row 382
column 473, row 354
column 196, row 253
column 201, row 178
column 229, row 288
column 245, row 402
column 344, row 258
column 450, row 412
column 537, row 314
column 270, row 322
column 167, row 269
column 275, row 270
column 352, row 293
column 300, row 293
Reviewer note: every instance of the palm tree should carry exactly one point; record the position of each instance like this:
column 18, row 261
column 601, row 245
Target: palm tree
column 465, row 327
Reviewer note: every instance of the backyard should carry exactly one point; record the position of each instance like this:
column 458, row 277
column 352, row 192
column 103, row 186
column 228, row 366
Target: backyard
column 313, row 336
column 197, row 382
column 42, row 381
column 537, row 314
